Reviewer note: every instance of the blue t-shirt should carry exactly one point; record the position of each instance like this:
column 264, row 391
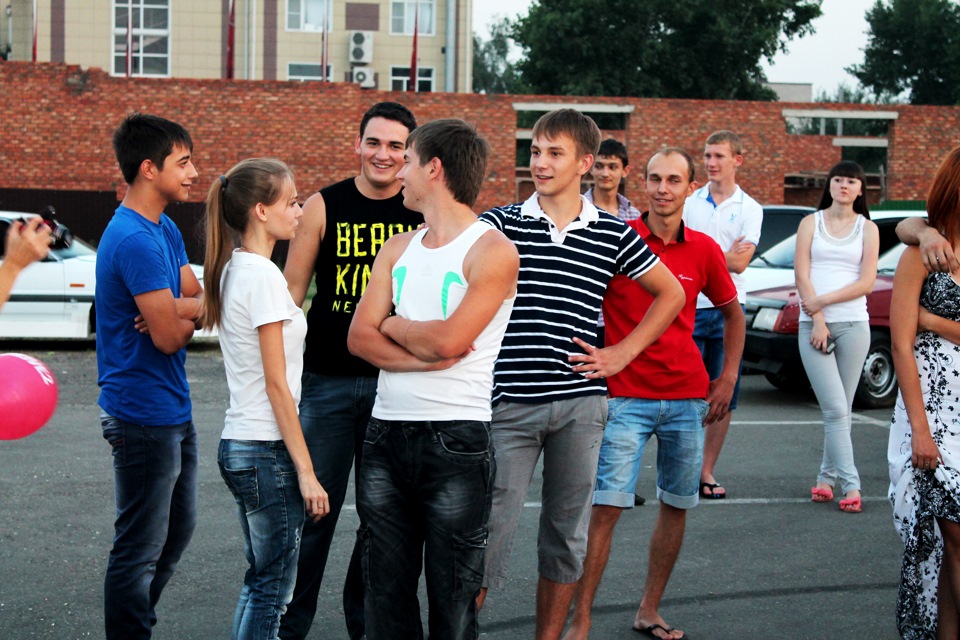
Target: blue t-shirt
column 138, row 382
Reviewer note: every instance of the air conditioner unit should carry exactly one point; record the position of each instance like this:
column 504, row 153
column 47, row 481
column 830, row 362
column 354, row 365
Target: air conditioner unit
column 361, row 47
column 364, row 77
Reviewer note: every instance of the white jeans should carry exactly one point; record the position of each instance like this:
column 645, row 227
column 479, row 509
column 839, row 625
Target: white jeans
column 834, row 378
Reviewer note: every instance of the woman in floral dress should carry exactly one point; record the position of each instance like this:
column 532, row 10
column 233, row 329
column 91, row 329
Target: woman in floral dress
column 924, row 447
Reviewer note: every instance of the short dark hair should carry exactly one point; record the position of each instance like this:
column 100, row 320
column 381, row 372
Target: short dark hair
column 146, row 137
column 732, row 139
column 461, row 151
column 614, row 149
column 667, row 151
column 580, row 127
column 389, row 111
column 847, row 169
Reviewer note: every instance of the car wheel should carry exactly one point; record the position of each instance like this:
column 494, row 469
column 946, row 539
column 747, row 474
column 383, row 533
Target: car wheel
column 789, row 381
column 92, row 329
column 878, row 382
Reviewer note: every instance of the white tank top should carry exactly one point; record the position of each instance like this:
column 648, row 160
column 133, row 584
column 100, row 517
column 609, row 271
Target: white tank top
column 428, row 284
column 835, row 263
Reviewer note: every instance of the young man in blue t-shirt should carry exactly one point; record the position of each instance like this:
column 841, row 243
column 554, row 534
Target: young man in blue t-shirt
column 147, row 303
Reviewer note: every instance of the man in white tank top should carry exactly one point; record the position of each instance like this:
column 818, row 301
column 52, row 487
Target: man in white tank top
column 432, row 319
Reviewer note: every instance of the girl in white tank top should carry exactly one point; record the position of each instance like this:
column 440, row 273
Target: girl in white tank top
column 835, row 266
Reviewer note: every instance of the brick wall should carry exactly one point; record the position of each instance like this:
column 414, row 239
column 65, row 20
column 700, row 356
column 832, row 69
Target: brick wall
column 56, row 127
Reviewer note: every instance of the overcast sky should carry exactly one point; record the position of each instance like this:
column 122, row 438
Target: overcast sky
column 818, row 58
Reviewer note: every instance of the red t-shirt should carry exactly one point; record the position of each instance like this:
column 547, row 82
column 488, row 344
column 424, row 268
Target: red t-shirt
column 671, row 368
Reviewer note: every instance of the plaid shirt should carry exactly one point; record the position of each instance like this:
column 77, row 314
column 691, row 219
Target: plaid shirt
column 626, row 211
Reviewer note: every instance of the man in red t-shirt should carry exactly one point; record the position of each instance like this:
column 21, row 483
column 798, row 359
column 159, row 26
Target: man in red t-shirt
column 665, row 392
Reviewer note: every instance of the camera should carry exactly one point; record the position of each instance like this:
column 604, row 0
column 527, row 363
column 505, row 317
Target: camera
column 60, row 235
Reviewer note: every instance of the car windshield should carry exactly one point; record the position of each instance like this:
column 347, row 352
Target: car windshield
column 76, row 249
column 887, row 264
column 779, row 256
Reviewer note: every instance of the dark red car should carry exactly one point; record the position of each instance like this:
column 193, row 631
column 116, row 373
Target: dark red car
column 773, row 317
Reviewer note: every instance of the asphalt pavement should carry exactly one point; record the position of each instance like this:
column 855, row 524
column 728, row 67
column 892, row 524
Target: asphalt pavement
column 764, row 563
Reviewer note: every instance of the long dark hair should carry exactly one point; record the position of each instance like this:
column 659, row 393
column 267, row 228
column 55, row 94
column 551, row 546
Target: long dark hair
column 231, row 199
column 844, row 169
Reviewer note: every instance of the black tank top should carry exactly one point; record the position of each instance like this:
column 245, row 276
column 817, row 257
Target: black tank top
column 356, row 229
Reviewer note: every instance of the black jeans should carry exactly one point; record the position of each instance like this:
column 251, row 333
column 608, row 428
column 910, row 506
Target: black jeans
column 334, row 412
column 424, row 496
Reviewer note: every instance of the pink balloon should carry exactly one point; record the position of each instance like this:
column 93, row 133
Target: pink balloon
column 28, row 395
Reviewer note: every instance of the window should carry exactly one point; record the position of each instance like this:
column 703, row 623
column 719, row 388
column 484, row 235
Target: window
column 400, row 78
column 308, row 15
column 148, row 23
column 307, row 71
column 401, row 17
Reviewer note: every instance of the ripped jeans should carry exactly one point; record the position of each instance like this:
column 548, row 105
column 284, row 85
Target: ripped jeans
column 424, row 497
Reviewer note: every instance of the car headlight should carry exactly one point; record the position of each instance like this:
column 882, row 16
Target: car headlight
column 766, row 319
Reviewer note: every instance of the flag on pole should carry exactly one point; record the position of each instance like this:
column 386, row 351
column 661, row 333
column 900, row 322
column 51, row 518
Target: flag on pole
column 323, row 45
column 34, row 30
column 413, row 58
column 231, row 27
column 129, row 40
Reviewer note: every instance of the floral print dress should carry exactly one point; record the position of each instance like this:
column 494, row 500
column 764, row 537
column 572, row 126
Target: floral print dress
column 919, row 496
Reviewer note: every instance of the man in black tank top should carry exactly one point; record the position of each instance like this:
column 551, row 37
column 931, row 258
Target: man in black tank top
column 340, row 233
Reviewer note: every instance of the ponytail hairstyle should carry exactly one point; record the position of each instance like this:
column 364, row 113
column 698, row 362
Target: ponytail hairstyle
column 231, row 199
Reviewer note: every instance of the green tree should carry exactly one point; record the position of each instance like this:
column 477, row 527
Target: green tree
column 707, row 49
column 857, row 94
column 492, row 70
column 913, row 47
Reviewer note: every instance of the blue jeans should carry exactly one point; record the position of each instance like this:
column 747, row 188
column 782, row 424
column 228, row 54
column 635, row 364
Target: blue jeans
column 155, row 488
column 678, row 425
column 334, row 412
column 708, row 336
column 263, row 480
column 424, row 495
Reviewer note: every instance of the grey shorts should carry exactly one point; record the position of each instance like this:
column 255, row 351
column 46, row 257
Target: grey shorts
column 569, row 433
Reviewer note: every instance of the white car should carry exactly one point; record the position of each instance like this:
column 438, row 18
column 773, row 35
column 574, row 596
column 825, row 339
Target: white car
column 774, row 268
column 53, row 298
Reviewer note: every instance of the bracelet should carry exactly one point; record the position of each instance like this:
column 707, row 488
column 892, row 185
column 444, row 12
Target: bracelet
column 406, row 329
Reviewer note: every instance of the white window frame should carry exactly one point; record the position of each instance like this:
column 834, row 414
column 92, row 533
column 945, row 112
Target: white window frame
column 309, row 78
column 424, row 74
column 120, row 31
column 301, row 28
column 428, row 22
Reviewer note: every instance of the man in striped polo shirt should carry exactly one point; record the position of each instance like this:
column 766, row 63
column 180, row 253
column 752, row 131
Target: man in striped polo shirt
column 549, row 391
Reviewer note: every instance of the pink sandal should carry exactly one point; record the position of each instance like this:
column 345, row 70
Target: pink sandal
column 818, row 494
column 852, row 505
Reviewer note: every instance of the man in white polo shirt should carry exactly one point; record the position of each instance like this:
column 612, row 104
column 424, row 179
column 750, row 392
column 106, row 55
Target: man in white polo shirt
column 728, row 215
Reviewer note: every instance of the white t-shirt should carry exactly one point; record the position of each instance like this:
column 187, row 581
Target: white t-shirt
column 835, row 263
column 254, row 293
column 738, row 215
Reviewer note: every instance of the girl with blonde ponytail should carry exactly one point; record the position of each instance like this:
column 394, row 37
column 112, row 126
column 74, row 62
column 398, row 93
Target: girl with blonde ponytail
column 262, row 455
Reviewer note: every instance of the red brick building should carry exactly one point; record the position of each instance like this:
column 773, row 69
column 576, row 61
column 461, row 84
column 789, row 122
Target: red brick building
column 57, row 121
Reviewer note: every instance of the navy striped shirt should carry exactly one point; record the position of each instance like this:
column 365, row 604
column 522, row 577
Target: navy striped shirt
column 563, row 276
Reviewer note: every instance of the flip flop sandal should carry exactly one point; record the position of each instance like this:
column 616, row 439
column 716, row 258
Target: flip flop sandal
column 712, row 486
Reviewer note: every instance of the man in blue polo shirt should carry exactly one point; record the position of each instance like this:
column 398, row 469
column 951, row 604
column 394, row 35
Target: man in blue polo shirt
column 724, row 212
column 147, row 300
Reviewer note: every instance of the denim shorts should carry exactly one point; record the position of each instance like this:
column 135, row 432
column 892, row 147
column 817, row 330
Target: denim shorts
column 678, row 425
column 708, row 335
